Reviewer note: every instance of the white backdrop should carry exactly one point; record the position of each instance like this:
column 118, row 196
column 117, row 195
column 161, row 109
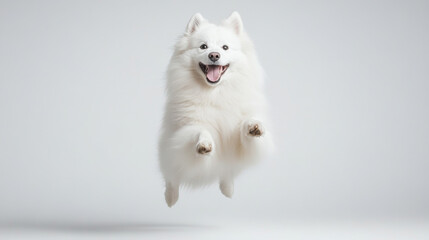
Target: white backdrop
column 82, row 92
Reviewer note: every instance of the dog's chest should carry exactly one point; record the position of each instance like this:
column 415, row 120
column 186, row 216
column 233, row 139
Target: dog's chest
column 219, row 111
column 223, row 111
column 222, row 114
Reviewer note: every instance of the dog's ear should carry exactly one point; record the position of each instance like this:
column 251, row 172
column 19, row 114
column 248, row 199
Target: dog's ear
column 194, row 23
column 235, row 22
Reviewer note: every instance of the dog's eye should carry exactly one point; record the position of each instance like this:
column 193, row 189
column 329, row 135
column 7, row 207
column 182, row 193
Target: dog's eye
column 225, row 47
column 203, row 46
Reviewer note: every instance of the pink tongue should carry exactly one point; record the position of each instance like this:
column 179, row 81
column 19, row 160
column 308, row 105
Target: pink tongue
column 213, row 74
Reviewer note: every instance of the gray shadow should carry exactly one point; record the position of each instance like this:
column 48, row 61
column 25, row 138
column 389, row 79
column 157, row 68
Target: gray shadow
column 117, row 227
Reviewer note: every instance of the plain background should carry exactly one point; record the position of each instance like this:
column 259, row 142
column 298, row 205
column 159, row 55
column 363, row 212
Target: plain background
column 82, row 94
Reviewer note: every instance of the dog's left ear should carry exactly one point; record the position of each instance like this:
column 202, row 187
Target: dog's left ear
column 194, row 23
column 235, row 22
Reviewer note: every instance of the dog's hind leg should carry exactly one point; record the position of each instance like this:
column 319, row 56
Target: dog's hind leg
column 226, row 187
column 171, row 193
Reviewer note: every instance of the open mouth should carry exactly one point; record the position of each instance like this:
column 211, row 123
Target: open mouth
column 213, row 72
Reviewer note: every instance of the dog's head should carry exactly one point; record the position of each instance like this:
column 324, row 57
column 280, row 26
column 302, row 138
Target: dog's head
column 212, row 51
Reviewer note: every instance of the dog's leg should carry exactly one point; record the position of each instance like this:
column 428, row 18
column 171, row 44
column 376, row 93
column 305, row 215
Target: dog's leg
column 226, row 187
column 171, row 193
column 191, row 141
column 253, row 138
column 205, row 144
column 253, row 128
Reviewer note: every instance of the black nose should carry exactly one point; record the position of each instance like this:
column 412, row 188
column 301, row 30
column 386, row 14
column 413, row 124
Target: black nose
column 214, row 56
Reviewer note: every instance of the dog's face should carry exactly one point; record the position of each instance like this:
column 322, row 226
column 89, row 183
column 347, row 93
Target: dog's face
column 214, row 51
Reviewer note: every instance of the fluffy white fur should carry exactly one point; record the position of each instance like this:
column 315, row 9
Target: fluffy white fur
column 212, row 131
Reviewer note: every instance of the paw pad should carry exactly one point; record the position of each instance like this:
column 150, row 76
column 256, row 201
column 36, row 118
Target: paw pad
column 255, row 130
column 204, row 148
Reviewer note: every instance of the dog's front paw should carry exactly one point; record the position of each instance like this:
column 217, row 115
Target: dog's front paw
column 255, row 129
column 204, row 147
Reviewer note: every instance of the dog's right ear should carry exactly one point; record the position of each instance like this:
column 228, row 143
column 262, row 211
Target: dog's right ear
column 235, row 22
column 194, row 23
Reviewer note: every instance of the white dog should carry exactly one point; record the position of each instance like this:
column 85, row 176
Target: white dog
column 214, row 119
